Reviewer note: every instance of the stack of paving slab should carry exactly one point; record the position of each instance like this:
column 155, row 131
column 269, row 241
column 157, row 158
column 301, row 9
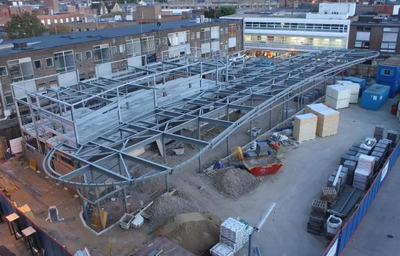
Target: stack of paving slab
column 355, row 90
column 305, row 127
column 327, row 119
column 362, row 174
column 338, row 96
column 234, row 234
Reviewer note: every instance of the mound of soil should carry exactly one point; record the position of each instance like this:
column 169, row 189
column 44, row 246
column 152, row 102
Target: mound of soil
column 235, row 182
column 166, row 206
column 196, row 232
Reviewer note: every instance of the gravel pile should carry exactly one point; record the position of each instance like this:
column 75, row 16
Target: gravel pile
column 235, row 182
column 166, row 206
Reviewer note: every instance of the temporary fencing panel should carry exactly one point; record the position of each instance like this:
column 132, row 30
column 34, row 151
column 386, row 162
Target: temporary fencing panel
column 45, row 241
column 341, row 239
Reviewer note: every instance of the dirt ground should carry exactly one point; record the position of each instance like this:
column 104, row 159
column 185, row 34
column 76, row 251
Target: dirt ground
column 194, row 185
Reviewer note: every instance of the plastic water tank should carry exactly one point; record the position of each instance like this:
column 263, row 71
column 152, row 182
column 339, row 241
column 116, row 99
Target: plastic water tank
column 333, row 224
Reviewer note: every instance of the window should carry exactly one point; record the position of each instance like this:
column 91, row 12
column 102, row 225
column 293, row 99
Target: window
column 122, row 48
column 215, row 33
column 3, row 71
column 361, row 45
column 388, row 47
column 205, row 35
column 49, row 62
column 113, row 50
column 133, row 48
column 179, row 38
column 386, row 72
column 147, row 45
column 37, row 64
column 20, row 69
column 232, row 30
column 78, row 56
column 88, row 55
column 64, row 61
column 101, row 53
column 394, row 30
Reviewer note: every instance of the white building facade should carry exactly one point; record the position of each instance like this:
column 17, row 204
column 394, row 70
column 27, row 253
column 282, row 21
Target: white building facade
column 270, row 35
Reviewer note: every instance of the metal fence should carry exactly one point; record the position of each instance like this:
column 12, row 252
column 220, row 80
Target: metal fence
column 340, row 241
column 48, row 246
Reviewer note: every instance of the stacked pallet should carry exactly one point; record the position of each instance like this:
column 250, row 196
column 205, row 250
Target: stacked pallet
column 379, row 130
column 305, row 127
column 338, row 96
column 234, row 234
column 355, row 90
column 327, row 119
column 363, row 172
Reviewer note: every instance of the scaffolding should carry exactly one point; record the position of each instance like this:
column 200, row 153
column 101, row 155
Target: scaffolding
column 102, row 125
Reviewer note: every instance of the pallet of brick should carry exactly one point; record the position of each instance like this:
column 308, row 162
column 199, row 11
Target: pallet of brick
column 233, row 230
column 221, row 249
column 355, row 90
column 361, row 179
column 379, row 130
column 392, row 135
column 363, row 172
column 338, row 96
column 328, row 123
column 305, row 127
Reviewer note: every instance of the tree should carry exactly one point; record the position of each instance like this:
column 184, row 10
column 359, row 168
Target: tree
column 59, row 29
column 24, row 25
column 227, row 10
column 223, row 11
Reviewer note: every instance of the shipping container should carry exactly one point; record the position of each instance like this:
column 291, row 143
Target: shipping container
column 389, row 74
column 361, row 81
column 375, row 96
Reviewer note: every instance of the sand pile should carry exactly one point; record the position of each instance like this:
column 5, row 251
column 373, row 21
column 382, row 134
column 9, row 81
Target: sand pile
column 235, row 182
column 196, row 232
column 166, row 206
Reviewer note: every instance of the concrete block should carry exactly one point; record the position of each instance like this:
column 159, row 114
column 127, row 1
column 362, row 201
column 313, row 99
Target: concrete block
column 351, row 153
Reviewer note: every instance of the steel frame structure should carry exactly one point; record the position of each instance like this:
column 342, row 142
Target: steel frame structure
column 105, row 158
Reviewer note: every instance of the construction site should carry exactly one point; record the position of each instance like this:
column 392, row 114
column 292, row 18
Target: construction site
column 151, row 160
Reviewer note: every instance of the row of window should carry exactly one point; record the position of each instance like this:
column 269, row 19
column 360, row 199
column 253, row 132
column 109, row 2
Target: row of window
column 295, row 41
column 67, row 20
column 296, row 26
column 394, row 30
column 385, row 46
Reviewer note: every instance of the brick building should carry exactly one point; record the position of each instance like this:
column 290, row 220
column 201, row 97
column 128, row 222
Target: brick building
column 66, row 59
column 375, row 33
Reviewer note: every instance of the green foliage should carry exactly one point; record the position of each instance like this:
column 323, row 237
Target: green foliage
column 223, row 11
column 59, row 29
column 24, row 25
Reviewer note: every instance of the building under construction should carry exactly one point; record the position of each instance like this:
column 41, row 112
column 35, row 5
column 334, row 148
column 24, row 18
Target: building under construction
column 97, row 135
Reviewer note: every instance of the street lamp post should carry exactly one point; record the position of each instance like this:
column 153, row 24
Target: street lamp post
column 261, row 222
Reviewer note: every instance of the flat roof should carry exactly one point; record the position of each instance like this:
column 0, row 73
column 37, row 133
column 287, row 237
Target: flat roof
column 51, row 41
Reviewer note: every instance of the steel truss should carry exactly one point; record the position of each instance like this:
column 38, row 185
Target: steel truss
column 106, row 157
